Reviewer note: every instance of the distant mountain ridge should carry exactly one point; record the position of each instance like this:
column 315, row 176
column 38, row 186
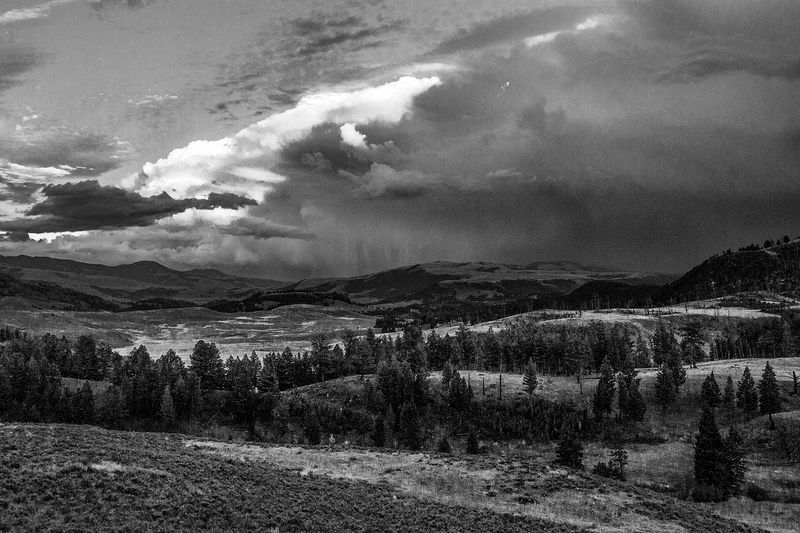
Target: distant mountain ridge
column 149, row 285
column 444, row 280
column 143, row 280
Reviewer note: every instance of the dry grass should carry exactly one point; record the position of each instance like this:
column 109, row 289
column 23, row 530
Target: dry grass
column 772, row 516
column 516, row 486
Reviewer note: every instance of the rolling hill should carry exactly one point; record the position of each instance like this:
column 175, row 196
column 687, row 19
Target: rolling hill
column 448, row 281
column 140, row 281
column 774, row 269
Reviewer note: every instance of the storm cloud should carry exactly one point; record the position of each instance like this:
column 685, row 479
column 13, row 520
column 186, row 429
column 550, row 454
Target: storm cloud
column 637, row 134
column 87, row 205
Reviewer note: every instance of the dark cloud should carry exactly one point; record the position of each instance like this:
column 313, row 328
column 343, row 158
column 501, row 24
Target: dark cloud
column 90, row 154
column 87, row 205
column 312, row 26
column 322, row 34
column 712, row 59
column 15, row 61
column 263, row 229
column 774, row 20
column 100, row 5
column 515, row 27
column 321, row 149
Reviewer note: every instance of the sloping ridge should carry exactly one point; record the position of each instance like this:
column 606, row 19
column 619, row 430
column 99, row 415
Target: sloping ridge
column 775, row 269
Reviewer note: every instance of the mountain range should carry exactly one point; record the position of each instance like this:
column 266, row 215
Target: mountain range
column 43, row 282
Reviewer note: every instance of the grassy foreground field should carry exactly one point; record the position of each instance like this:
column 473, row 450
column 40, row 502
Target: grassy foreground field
column 73, row 478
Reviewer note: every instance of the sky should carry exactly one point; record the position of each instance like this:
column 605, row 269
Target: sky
column 300, row 139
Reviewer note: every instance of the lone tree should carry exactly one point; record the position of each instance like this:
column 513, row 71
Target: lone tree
column 603, row 400
column 530, row 379
column 665, row 387
column 570, row 450
column 709, row 392
column 770, row 391
column 729, row 395
column 746, row 396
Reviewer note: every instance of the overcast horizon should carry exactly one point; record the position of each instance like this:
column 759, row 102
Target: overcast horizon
column 304, row 139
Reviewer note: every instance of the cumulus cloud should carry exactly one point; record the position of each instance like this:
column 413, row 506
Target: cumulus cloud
column 352, row 137
column 205, row 166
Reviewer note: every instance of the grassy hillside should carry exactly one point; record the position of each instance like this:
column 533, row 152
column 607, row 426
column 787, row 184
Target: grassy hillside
column 660, row 449
column 83, row 478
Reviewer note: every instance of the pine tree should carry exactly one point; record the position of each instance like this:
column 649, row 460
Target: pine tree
column 642, row 351
column 207, row 365
column 770, row 394
column 604, row 393
column 709, row 392
column 664, row 344
column 794, row 381
column 112, row 410
column 447, row 374
column 729, row 396
column 530, row 379
column 710, row 470
column 675, row 366
column 746, row 395
column 788, row 344
column 619, row 458
column 379, row 433
column 83, row 403
column 411, row 428
column 734, row 462
column 664, row 388
column 473, row 447
column 443, row 446
column 635, row 405
column 569, row 451
column 167, row 409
